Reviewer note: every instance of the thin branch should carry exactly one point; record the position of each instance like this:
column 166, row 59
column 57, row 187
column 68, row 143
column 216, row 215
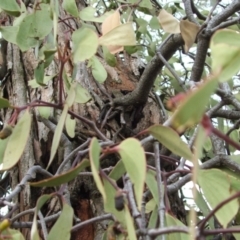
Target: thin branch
column 161, row 205
column 189, row 11
column 92, row 220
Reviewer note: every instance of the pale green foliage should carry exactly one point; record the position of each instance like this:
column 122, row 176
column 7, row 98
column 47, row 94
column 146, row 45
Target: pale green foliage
column 104, row 30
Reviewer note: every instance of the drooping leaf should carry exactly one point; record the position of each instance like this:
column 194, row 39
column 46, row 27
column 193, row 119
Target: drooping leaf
column 169, row 23
column 34, row 230
column 98, row 71
column 57, row 134
column 61, row 230
column 218, row 180
column 94, row 154
column 171, row 140
column 193, row 106
column 123, row 35
column 71, row 7
column 62, row 178
column 85, row 43
column 10, row 7
column 225, row 52
column 17, row 142
column 133, row 157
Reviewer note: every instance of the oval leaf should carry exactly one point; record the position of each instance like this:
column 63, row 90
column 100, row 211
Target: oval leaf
column 85, row 43
column 122, row 35
column 17, row 142
column 70, row 7
column 171, row 140
column 98, row 71
column 134, row 160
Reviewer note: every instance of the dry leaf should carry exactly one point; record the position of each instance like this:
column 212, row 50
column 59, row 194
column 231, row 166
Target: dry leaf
column 189, row 32
column 110, row 23
column 169, row 23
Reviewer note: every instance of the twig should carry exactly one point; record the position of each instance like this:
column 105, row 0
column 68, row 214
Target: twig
column 161, row 205
column 92, row 220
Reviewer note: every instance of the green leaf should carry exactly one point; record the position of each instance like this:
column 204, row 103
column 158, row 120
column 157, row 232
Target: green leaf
column 118, row 171
column 9, row 33
column 204, row 208
column 34, row 230
column 34, row 27
column 3, row 145
column 62, row 178
column 39, row 73
column 191, row 110
column 58, row 134
column 123, row 35
column 94, row 154
column 225, row 52
column 134, row 160
column 171, row 140
column 89, row 14
column 152, row 223
column 70, row 7
column 33, row 83
column 82, row 95
column 109, row 203
column 45, row 112
column 12, row 234
column 109, row 58
column 10, row 7
column 85, row 44
column 17, row 142
column 152, row 185
column 171, row 221
column 98, row 71
column 218, row 180
column 62, row 228
column 70, row 125
column 129, row 223
column 71, row 96
column 4, row 103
